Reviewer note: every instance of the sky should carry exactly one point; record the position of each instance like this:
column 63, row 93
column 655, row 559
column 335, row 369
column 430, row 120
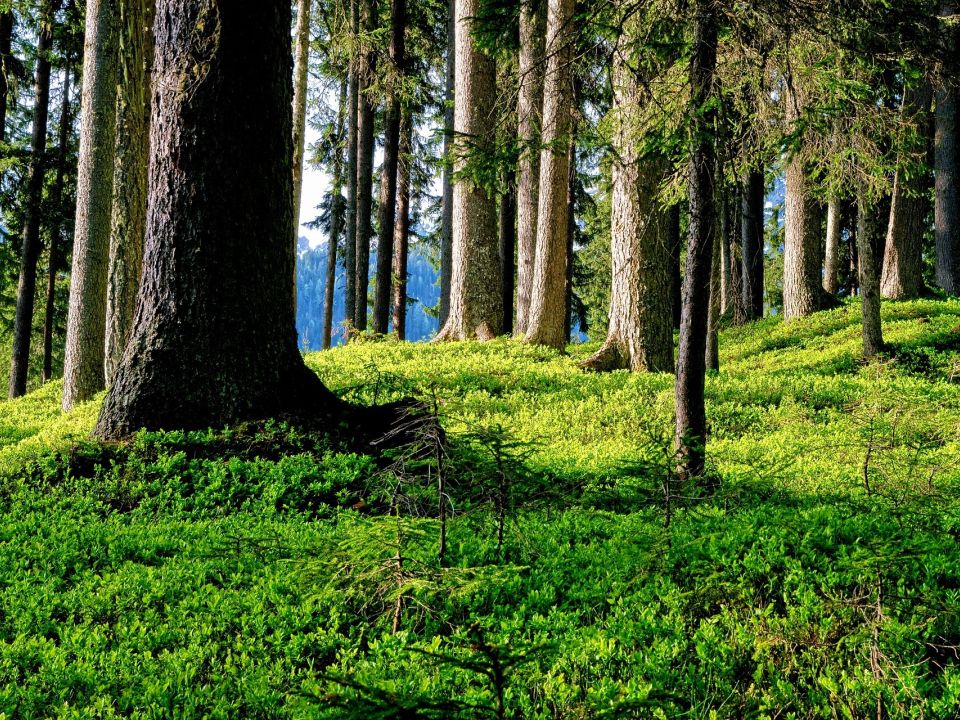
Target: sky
column 316, row 184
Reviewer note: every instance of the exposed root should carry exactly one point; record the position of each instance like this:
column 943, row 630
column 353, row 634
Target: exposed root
column 607, row 358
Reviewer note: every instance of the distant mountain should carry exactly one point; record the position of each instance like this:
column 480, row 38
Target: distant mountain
column 422, row 290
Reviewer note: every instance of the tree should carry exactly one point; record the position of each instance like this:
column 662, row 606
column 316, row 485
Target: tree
column 365, row 130
column 218, row 227
column 336, row 218
column 6, row 36
column 83, row 373
column 869, row 237
column 401, row 231
column 446, row 222
column 353, row 109
column 947, row 166
column 831, row 261
column 301, row 67
column 548, row 293
column 751, row 246
column 476, row 306
column 712, row 352
column 691, row 419
column 130, row 175
column 30, row 243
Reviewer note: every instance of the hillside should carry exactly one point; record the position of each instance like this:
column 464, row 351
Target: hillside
column 253, row 571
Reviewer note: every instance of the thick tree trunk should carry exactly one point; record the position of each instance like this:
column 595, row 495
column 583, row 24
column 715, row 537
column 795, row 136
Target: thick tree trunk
column 365, row 148
column 301, row 67
column 476, row 305
column 6, row 37
column 336, row 221
column 83, row 373
column 640, row 333
column 31, row 245
column 202, row 354
column 533, row 19
column 446, row 221
column 715, row 310
column 350, row 242
column 691, row 419
column 869, row 237
column 947, row 168
column 831, row 262
column 387, row 214
column 548, row 292
column 751, row 248
column 56, row 229
column 129, row 220
column 675, row 245
column 401, row 229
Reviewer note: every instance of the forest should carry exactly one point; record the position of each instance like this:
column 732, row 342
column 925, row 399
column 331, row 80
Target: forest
column 614, row 374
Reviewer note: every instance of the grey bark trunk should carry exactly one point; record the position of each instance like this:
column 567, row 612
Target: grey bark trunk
column 365, row 148
column 947, row 169
column 831, row 261
column 336, row 221
column 446, row 223
column 350, row 242
column 401, row 231
column 6, row 37
column 301, row 67
column 675, row 245
column 869, row 236
column 715, row 310
column 752, row 244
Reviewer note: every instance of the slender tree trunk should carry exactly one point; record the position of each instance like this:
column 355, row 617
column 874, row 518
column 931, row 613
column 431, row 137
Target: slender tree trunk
column 388, row 185
column 446, row 221
column 86, row 320
column 751, row 228
column 31, row 244
column 365, row 148
column 476, row 304
column 401, row 230
column 715, row 310
column 508, row 246
column 6, row 37
column 869, row 236
column 675, row 245
column 547, row 298
column 56, row 229
column 533, row 20
column 336, row 221
column 640, row 333
column 853, row 271
column 725, row 237
column 301, row 67
column 691, row 426
column 202, row 354
column 947, row 168
column 129, row 218
column 353, row 108
column 571, row 228
column 831, row 263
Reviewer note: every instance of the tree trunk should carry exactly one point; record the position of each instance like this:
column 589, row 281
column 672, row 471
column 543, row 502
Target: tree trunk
column 365, row 148
column 738, row 308
column 353, row 108
column 129, row 219
column 388, row 186
column 640, row 333
column 476, row 305
column 336, row 221
column 446, row 221
column 571, row 228
column 675, row 246
column 533, row 21
column 201, row 353
column 56, row 229
column 301, row 68
column 751, row 228
column 853, row 269
column 31, row 245
column 547, row 297
column 508, row 246
column 6, row 37
column 715, row 310
column 401, row 230
column 947, row 168
column 691, row 425
column 831, row 262
column 725, row 237
column 869, row 236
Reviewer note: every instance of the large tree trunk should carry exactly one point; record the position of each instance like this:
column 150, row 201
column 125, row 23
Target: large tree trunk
column 83, row 373
column 202, row 354
column 947, row 167
column 129, row 220
column 548, row 292
column 533, row 19
column 476, row 305
column 56, row 229
column 387, row 214
column 6, row 36
column 365, row 148
column 675, row 245
column 831, row 262
column 336, row 221
column 401, row 229
column 353, row 108
column 869, row 237
column 640, row 333
column 446, row 221
column 751, row 248
column 30, row 247
column 691, row 420
column 301, row 67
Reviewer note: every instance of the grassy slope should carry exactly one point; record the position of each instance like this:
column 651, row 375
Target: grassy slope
column 177, row 585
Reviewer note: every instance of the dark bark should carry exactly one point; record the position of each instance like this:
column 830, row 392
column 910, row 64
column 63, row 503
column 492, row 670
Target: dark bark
column 446, row 223
column 202, row 354
column 31, row 245
column 715, row 310
column 675, row 243
column 947, row 167
column 401, row 233
column 336, row 221
column 365, row 150
column 870, row 227
column 508, row 246
column 6, row 36
column 350, row 242
column 691, row 420
column 752, row 244
column 301, row 66
column 737, row 304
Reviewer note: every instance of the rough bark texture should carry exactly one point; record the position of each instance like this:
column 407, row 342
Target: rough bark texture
column 30, row 242
column 712, row 353
column 947, row 169
column 56, row 229
column 675, row 244
column 691, row 419
column 401, row 229
column 831, row 261
column 6, row 36
column 640, row 333
column 387, row 212
column 365, row 149
column 446, row 221
column 337, row 210
column 751, row 247
column 350, row 242
column 508, row 246
column 301, row 67
column 571, row 229
column 738, row 308
column 869, row 236
column 726, row 261
column 476, row 306
column 129, row 219
column 802, row 281
column 533, row 20
column 548, row 293
column 218, row 230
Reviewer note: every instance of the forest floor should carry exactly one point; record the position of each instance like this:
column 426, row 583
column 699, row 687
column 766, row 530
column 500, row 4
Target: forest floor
column 262, row 571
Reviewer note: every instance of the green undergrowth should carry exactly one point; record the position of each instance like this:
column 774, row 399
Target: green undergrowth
column 266, row 571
